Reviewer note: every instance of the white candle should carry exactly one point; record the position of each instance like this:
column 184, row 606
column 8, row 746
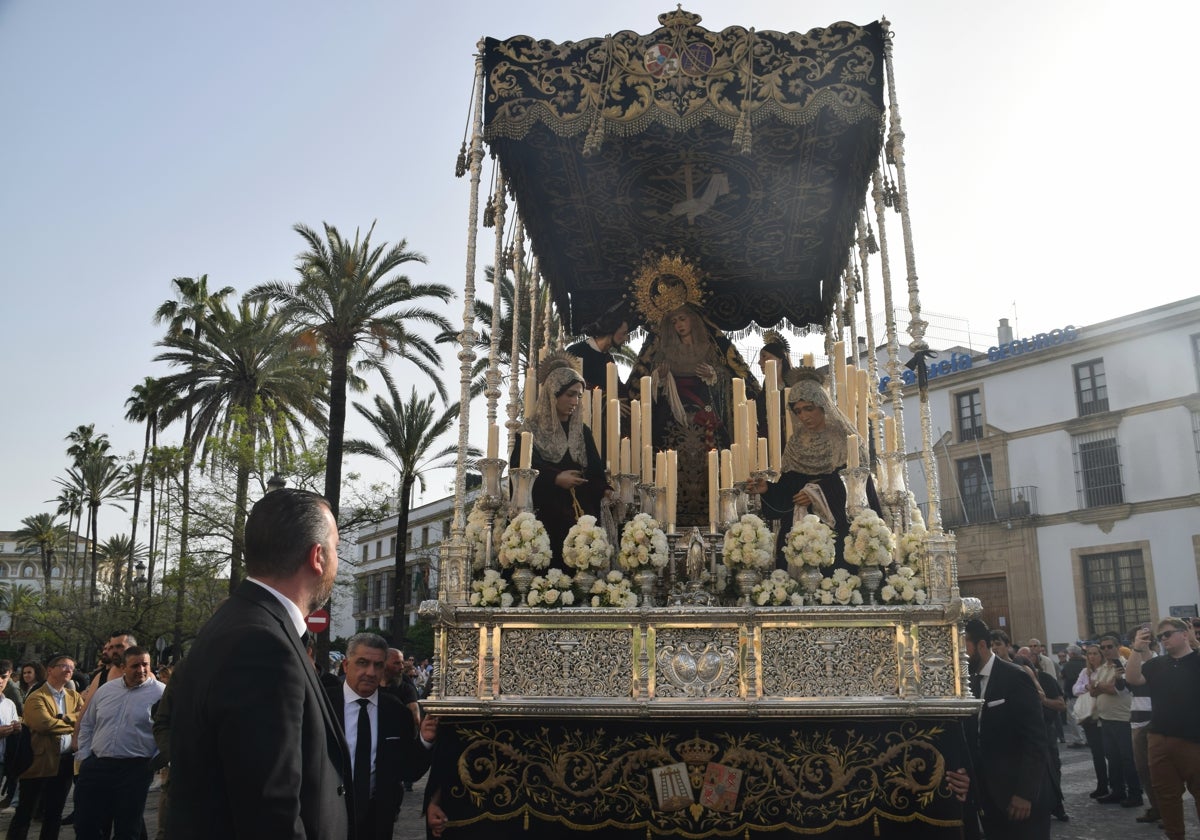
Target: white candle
column 726, row 469
column 713, row 489
column 750, row 428
column 647, row 464
column 862, row 415
column 808, row 360
column 610, row 382
column 624, row 456
column 493, row 448
column 526, row 450
column 763, row 457
column 770, row 373
column 647, row 417
column 660, row 469
column 739, row 390
column 585, row 409
column 597, row 419
column 613, row 452
column 635, row 436
column 735, row 452
column 852, row 451
column 774, row 452
column 672, row 487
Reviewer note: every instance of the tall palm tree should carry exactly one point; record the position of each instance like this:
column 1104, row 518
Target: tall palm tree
column 70, row 505
column 101, row 479
column 349, row 298
column 114, row 553
column 248, row 384
column 409, row 431
column 44, row 532
column 143, row 406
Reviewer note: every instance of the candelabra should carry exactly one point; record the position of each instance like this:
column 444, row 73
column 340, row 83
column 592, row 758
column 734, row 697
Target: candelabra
column 627, row 485
column 490, row 501
column 522, row 491
column 855, row 479
column 895, row 497
column 728, row 512
column 648, row 497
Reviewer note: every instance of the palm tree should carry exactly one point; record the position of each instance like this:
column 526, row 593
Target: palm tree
column 409, row 431
column 19, row 600
column 70, row 505
column 247, row 383
column 143, row 406
column 349, row 299
column 44, row 532
column 116, row 552
column 100, row 479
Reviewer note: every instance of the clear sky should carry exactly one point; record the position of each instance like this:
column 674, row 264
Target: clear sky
column 1050, row 152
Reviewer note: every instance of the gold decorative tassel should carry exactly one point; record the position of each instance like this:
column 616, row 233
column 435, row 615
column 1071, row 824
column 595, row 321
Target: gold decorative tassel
column 489, row 213
column 460, row 166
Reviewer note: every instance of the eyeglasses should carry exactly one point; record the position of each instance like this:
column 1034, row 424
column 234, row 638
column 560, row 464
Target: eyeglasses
column 1166, row 634
column 1108, row 647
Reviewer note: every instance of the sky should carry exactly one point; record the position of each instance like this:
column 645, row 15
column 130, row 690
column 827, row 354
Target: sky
column 1048, row 146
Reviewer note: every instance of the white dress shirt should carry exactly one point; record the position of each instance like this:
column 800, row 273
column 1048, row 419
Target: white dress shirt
column 293, row 611
column 350, row 712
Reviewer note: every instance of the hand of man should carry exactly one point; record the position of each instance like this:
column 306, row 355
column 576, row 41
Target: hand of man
column 959, row 783
column 569, row 478
column 435, row 817
column 429, row 727
column 1018, row 809
column 802, row 498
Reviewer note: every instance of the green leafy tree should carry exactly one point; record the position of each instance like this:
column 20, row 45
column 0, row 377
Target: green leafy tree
column 350, row 298
column 45, row 533
column 409, row 432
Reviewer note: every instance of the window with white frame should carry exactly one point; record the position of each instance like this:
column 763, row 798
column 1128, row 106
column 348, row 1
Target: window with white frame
column 1091, row 389
column 1098, row 469
column 970, row 415
column 1115, row 592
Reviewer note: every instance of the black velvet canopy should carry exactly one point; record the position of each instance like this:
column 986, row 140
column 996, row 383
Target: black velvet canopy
column 747, row 153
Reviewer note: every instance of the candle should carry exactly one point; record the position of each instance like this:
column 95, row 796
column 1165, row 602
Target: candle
column 889, row 434
column 850, row 402
column 808, row 360
column 613, row 450
column 735, row 452
column 624, row 456
column 597, row 418
column 635, row 436
column 714, row 470
column 530, row 394
column 739, row 390
column 526, row 450
column 738, row 432
column 750, row 441
column 672, row 488
column 774, row 452
column 770, row 373
column 647, row 418
column 610, row 382
column 726, row 469
column 660, row 469
column 585, row 409
column 647, row 464
column 852, row 451
column 863, row 416
column 763, row 459
column 493, row 449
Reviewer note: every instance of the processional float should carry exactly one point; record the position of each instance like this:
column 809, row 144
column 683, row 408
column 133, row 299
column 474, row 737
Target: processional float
column 748, row 156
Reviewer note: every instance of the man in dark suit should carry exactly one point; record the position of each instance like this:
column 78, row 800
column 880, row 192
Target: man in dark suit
column 256, row 747
column 385, row 749
column 1009, row 755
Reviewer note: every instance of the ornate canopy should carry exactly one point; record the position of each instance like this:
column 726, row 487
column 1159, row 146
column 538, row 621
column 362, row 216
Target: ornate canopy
column 747, row 153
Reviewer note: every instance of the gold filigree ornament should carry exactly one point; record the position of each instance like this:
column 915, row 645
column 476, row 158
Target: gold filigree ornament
column 665, row 283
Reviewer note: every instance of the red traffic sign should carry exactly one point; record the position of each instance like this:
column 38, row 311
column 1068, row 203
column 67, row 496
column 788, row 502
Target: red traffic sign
column 318, row 621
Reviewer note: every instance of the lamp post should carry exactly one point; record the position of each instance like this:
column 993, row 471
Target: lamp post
column 138, row 582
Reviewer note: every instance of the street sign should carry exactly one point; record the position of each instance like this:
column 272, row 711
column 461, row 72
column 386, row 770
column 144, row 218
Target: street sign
column 318, row 621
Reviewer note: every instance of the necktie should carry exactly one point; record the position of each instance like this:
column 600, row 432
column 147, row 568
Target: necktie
column 977, row 685
column 362, row 760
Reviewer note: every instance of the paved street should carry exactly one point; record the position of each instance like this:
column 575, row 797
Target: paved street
column 1089, row 821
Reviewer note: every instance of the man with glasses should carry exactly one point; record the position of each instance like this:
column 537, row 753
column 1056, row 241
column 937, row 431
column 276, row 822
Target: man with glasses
column 1113, row 702
column 1174, row 737
column 50, row 714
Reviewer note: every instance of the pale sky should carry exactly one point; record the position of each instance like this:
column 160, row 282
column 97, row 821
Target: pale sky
column 1050, row 152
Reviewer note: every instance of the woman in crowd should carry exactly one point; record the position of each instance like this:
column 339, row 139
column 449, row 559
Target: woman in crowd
column 570, row 481
column 1085, row 714
column 33, row 674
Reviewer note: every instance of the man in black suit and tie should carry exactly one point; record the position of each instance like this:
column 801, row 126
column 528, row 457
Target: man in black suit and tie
column 379, row 734
column 256, row 747
column 1010, row 758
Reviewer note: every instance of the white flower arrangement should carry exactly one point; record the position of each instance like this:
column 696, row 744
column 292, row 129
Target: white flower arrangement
column 524, row 543
column 776, row 591
column 613, row 590
column 910, row 546
column 643, row 543
column 476, row 534
column 810, row 543
column 749, row 544
column 870, row 542
column 840, row 588
column 903, row 587
column 551, row 591
column 490, row 591
column 587, row 546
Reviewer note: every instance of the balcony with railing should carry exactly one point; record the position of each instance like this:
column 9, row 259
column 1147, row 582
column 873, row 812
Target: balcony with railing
column 990, row 504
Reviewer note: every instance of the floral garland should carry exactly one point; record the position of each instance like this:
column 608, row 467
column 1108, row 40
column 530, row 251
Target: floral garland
column 551, row 591
column 643, row 543
column 613, row 590
column 524, row 543
column 476, row 534
column 910, row 546
column 841, row 588
column 809, row 543
column 748, row 543
column 490, row 591
column 587, row 546
column 903, row 587
column 777, row 591
column 870, row 542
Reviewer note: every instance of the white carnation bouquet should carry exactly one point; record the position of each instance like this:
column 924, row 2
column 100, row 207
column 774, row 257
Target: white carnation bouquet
column 776, row 591
column 643, row 543
column 870, row 542
column 551, row 591
column 613, row 590
column 491, row 591
column 524, row 543
column 903, row 587
column 809, row 543
column 749, row 544
column 840, row 588
column 476, row 534
column 587, row 546
column 911, row 546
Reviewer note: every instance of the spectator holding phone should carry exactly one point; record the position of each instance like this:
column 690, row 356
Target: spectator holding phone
column 1113, row 702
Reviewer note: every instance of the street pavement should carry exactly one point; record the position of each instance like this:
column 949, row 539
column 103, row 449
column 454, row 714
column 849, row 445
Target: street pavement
column 1089, row 820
